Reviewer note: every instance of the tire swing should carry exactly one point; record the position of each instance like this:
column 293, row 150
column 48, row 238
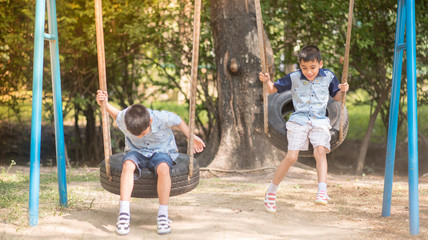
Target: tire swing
column 185, row 171
column 281, row 106
column 145, row 187
column 278, row 106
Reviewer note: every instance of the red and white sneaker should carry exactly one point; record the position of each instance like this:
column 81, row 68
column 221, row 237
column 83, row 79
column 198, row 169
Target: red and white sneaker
column 270, row 202
column 322, row 198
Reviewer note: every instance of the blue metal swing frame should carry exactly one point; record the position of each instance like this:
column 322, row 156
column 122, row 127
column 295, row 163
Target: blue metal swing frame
column 405, row 28
column 36, row 119
column 405, row 24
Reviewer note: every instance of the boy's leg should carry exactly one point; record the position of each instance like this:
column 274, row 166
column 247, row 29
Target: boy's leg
column 289, row 160
column 164, row 183
column 163, row 164
column 321, row 162
column 320, row 138
column 284, row 166
column 126, row 186
column 164, row 189
column 320, row 155
column 130, row 164
column 297, row 137
column 127, row 180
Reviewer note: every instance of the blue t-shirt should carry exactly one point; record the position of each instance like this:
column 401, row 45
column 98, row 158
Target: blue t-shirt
column 159, row 139
column 310, row 98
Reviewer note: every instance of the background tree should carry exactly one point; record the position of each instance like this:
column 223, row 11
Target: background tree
column 241, row 141
column 16, row 51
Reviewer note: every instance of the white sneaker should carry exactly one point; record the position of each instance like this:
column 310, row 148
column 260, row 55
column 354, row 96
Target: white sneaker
column 122, row 225
column 163, row 225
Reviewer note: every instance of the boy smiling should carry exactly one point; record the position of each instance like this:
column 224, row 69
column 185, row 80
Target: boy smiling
column 311, row 87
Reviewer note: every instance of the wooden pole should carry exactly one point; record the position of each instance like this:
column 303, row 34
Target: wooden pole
column 345, row 66
column 262, row 60
column 193, row 81
column 103, row 83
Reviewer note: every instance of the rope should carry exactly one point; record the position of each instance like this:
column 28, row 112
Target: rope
column 262, row 60
column 345, row 66
column 193, row 82
column 103, row 84
column 237, row 171
column 211, row 170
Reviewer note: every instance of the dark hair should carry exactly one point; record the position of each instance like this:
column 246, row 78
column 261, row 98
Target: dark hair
column 137, row 119
column 310, row 53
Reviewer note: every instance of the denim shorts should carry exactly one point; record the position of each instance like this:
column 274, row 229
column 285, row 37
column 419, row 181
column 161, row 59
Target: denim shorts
column 147, row 162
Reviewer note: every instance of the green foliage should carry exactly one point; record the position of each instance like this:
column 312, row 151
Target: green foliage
column 293, row 24
column 359, row 113
column 148, row 50
column 180, row 110
column 16, row 51
column 146, row 45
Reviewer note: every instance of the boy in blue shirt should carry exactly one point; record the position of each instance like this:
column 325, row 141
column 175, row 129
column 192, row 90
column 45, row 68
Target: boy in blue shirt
column 152, row 145
column 311, row 87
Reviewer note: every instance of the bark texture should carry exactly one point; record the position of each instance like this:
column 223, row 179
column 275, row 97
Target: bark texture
column 241, row 141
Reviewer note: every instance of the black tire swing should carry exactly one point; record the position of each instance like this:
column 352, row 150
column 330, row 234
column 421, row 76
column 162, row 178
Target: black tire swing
column 278, row 106
column 145, row 187
column 185, row 171
column 281, row 106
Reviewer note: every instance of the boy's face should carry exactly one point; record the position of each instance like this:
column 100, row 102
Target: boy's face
column 310, row 68
column 145, row 132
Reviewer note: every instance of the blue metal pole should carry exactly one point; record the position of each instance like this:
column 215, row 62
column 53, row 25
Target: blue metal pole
column 412, row 119
column 393, row 110
column 36, row 115
column 56, row 87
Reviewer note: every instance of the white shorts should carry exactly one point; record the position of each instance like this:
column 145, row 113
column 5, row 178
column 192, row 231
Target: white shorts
column 298, row 136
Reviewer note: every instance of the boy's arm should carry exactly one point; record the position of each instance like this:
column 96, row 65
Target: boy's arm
column 343, row 88
column 264, row 77
column 198, row 144
column 103, row 96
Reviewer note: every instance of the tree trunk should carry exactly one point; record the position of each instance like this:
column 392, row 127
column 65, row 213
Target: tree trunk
column 241, row 141
column 77, row 136
column 91, row 143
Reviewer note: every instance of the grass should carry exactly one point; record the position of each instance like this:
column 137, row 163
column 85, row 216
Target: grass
column 14, row 194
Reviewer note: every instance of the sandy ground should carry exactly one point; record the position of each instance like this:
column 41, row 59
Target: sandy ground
column 230, row 206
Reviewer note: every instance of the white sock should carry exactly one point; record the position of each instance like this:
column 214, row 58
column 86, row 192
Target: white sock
column 272, row 188
column 322, row 186
column 163, row 210
column 124, row 207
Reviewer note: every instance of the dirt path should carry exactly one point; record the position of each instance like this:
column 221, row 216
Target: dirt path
column 231, row 207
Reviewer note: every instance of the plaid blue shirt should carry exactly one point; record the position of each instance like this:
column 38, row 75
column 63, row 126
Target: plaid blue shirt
column 159, row 139
column 310, row 98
